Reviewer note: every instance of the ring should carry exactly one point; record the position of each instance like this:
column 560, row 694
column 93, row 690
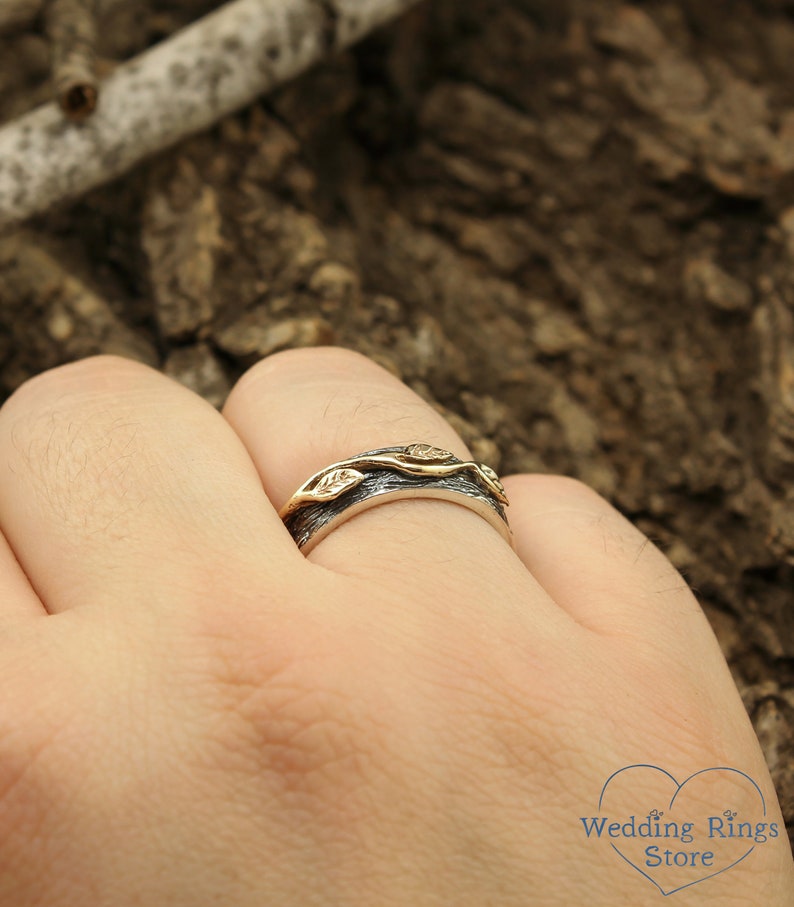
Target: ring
column 351, row 486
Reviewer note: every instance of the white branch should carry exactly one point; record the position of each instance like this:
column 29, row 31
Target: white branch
column 180, row 87
column 72, row 30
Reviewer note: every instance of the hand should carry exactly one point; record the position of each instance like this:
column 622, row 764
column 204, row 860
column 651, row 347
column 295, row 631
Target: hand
column 194, row 713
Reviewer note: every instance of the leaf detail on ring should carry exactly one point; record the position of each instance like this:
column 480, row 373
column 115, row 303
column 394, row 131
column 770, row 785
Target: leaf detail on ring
column 425, row 453
column 332, row 484
column 493, row 479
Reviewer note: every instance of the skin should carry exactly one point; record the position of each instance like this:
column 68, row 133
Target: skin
column 194, row 713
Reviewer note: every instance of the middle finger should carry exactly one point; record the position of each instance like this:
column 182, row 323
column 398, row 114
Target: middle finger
column 118, row 482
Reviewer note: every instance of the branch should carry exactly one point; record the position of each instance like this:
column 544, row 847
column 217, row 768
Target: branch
column 71, row 28
column 180, row 87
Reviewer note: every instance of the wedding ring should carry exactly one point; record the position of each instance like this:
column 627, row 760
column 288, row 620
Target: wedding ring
column 344, row 489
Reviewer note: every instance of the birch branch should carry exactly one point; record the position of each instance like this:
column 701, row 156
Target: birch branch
column 71, row 28
column 180, row 87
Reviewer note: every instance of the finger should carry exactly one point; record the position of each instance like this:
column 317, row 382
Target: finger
column 300, row 411
column 117, row 482
column 596, row 565
column 17, row 598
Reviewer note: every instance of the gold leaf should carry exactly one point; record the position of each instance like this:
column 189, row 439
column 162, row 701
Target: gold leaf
column 427, row 454
column 332, row 484
column 493, row 480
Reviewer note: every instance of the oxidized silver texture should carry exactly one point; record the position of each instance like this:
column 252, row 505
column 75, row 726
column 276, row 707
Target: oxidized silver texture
column 391, row 473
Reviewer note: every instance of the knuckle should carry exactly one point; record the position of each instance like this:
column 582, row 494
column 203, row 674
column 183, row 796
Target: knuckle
column 323, row 357
column 69, row 453
column 308, row 362
column 84, row 376
column 568, row 490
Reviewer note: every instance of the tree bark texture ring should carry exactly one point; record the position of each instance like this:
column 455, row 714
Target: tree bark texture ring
column 348, row 487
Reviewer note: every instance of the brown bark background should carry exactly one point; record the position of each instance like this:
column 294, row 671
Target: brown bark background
column 569, row 225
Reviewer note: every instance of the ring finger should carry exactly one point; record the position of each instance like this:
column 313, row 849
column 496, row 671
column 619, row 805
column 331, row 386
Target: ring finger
column 300, row 411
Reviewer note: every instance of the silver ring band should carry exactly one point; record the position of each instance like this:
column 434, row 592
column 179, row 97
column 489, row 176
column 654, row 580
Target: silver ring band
column 349, row 487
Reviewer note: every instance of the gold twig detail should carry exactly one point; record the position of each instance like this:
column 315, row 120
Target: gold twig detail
column 417, row 459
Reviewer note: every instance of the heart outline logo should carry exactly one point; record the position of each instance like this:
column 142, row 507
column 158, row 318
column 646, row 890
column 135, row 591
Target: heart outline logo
column 678, row 788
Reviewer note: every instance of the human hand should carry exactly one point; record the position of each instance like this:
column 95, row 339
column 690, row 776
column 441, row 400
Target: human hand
column 194, row 713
